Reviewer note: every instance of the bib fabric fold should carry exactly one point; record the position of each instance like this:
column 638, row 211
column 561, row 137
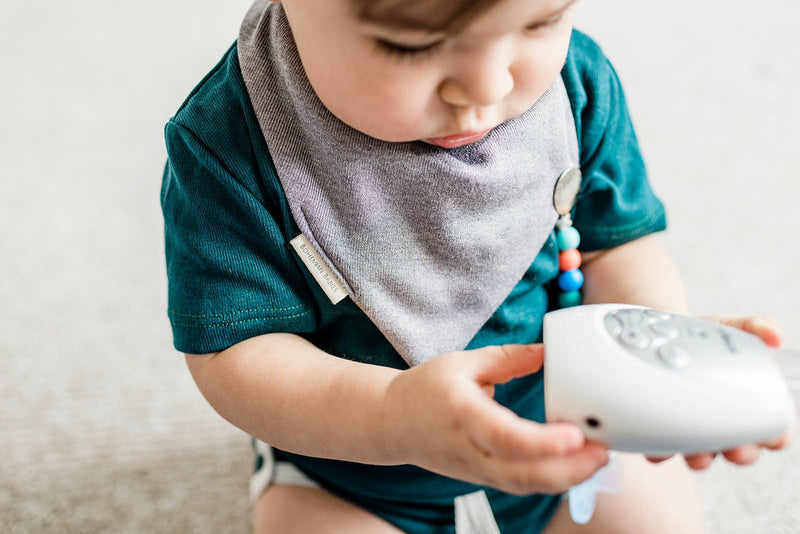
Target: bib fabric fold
column 427, row 241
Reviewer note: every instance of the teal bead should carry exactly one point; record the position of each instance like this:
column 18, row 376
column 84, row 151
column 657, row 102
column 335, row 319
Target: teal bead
column 570, row 280
column 569, row 299
column 568, row 238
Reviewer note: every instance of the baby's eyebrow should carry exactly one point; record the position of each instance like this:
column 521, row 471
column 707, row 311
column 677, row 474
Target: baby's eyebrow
column 553, row 14
column 421, row 32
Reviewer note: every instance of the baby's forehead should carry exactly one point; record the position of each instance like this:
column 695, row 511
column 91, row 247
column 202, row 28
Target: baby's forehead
column 427, row 15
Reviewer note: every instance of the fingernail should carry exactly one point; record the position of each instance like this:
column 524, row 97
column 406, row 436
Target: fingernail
column 761, row 323
column 767, row 330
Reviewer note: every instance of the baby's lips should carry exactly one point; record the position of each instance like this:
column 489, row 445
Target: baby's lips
column 457, row 140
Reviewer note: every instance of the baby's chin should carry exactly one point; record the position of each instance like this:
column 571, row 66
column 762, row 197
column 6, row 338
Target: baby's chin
column 408, row 132
column 391, row 129
column 394, row 135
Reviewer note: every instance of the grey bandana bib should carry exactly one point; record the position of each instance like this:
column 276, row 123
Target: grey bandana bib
column 427, row 241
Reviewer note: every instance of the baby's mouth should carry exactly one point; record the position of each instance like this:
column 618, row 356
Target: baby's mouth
column 457, row 140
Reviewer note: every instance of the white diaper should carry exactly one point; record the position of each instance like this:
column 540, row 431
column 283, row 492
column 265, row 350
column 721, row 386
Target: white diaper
column 272, row 472
column 473, row 515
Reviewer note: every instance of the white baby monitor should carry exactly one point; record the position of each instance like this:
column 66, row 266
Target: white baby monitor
column 643, row 380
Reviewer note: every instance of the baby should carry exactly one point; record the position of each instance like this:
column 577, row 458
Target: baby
column 359, row 230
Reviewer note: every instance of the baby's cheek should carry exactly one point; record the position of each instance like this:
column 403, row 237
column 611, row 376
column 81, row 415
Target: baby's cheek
column 540, row 65
column 535, row 76
column 393, row 123
column 396, row 113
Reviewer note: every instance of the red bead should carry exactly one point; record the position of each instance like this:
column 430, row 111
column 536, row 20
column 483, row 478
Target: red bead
column 569, row 259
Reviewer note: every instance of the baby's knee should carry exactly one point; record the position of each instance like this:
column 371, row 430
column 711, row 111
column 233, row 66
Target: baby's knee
column 654, row 499
column 286, row 508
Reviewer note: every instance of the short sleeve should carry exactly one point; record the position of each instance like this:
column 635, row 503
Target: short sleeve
column 616, row 203
column 230, row 273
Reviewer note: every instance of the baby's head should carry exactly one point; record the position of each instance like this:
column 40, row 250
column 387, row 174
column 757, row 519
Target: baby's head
column 405, row 70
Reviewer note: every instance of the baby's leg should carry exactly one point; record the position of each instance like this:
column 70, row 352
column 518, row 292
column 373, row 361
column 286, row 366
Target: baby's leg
column 654, row 499
column 284, row 509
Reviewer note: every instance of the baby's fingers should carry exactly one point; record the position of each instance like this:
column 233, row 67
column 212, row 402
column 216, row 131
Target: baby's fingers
column 496, row 431
column 500, row 363
column 700, row 461
column 553, row 474
column 744, row 455
column 766, row 329
column 780, row 442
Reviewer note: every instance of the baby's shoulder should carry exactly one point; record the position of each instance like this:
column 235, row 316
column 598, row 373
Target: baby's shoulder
column 218, row 115
column 594, row 90
column 587, row 71
column 584, row 50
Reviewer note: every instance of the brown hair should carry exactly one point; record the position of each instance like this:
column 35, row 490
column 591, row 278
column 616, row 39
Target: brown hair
column 431, row 15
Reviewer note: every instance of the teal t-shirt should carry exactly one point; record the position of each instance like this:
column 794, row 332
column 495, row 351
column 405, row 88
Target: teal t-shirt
column 233, row 275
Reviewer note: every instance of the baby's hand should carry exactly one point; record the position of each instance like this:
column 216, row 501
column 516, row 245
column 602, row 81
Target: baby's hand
column 746, row 454
column 441, row 416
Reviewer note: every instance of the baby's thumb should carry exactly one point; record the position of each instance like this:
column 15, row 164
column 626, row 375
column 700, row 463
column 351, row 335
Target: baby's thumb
column 500, row 363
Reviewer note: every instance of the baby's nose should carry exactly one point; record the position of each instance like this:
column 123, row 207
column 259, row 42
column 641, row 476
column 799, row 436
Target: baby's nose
column 483, row 79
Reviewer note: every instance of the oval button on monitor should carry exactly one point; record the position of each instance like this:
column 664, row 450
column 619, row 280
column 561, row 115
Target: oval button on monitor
column 674, row 356
column 666, row 329
column 634, row 338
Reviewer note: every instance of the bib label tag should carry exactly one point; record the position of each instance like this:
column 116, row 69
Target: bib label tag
column 318, row 269
column 474, row 514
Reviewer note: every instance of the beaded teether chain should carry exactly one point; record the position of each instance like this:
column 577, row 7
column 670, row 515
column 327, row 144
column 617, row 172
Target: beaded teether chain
column 569, row 258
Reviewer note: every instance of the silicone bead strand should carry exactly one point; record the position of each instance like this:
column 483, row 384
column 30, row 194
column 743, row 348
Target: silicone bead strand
column 570, row 280
column 568, row 238
column 569, row 259
column 570, row 299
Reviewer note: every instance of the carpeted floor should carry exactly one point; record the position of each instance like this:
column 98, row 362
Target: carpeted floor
column 101, row 427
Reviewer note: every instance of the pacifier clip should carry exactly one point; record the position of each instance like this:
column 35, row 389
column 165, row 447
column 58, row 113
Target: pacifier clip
column 570, row 280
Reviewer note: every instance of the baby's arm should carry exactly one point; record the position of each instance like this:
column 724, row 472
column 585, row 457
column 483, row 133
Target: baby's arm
column 438, row 415
column 640, row 272
column 284, row 391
